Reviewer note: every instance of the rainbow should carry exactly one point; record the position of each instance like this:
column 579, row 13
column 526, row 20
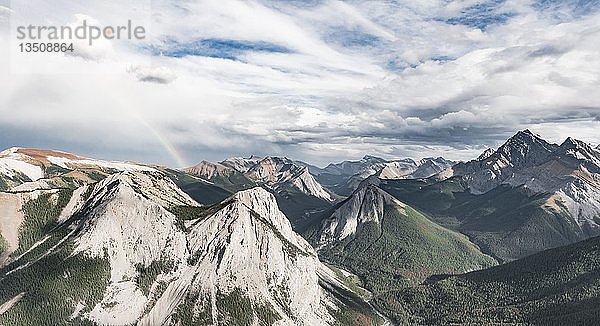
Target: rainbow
column 173, row 152
column 168, row 146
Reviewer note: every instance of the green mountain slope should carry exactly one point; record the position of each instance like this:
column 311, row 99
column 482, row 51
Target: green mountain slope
column 392, row 245
column 506, row 222
column 559, row 286
column 202, row 191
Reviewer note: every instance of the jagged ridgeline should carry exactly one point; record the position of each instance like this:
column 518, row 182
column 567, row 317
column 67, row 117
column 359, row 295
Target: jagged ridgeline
column 86, row 241
column 135, row 249
column 528, row 195
column 299, row 195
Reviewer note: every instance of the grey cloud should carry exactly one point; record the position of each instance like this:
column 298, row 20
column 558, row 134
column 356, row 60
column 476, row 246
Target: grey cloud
column 548, row 51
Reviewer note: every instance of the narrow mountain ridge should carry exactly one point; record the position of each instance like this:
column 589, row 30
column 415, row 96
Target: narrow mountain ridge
column 24, row 169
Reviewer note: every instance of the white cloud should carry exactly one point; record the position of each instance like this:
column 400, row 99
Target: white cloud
column 320, row 100
column 160, row 75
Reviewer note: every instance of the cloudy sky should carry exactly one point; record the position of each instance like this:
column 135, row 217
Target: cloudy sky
column 314, row 80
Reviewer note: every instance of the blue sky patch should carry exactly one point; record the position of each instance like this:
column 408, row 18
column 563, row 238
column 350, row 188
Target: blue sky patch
column 352, row 38
column 482, row 15
column 577, row 8
column 215, row 48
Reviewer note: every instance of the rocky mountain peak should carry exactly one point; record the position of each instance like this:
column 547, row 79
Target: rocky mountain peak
column 524, row 148
column 572, row 143
column 397, row 169
column 269, row 169
column 244, row 248
column 241, row 164
column 152, row 185
column 524, row 138
column 579, row 153
column 264, row 203
column 365, row 205
column 209, row 169
column 411, row 169
column 373, row 159
column 487, row 153
column 282, row 173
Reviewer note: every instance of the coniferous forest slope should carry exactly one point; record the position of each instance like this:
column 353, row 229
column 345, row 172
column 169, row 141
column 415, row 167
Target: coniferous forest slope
column 559, row 286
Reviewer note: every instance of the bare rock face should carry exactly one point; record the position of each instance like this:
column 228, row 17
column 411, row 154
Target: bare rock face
column 487, row 153
column 521, row 151
column 241, row 164
column 209, row 170
column 366, row 166
column 242, row 250
column 249, row 245
column 398, row 169
column 570, row 170
column 365, row 205
column 281, row 173
column 409, row 169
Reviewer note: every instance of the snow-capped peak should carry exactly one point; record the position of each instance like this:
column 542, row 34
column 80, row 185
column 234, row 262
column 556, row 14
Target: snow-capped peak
column 25, row 169
column 9, row 151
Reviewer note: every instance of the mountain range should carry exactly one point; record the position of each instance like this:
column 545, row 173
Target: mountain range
column 508, row 237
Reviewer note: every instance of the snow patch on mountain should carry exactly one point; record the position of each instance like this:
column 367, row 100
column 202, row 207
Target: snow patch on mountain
column 12, row 162
column 68, row 163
